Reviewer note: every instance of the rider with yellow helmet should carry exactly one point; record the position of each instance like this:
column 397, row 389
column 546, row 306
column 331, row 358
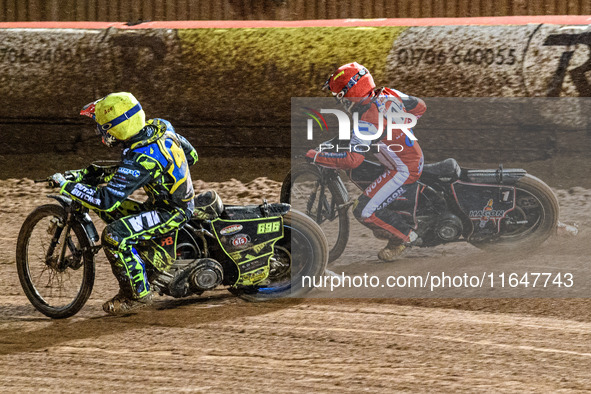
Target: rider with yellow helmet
column 154, row 157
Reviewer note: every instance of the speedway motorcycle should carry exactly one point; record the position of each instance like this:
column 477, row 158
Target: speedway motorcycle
column 495, row 209
column 256, row 251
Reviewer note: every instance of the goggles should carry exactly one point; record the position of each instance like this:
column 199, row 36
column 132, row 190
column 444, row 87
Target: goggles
column 120, row 119
column 88, row 110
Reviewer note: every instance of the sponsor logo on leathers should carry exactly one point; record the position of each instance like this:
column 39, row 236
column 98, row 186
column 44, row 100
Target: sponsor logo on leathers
column 85, row 194
column 151, row 218
column 392, row 197
column 377, row 182
column 128, row 171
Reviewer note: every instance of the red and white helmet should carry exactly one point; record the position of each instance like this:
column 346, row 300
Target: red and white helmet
column 351, row 81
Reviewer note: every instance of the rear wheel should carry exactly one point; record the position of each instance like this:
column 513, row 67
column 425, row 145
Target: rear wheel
column 302, row 251
column 55, row 263
column 306, row 191
column 534, row 219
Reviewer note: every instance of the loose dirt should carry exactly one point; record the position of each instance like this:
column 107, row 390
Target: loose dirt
column 220, row 343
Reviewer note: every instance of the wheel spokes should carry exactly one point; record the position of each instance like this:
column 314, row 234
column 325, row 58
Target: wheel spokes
column 49, row 265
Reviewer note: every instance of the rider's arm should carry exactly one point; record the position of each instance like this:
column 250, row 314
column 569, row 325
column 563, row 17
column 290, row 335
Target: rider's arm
column 190, row 152
column 93, row 174
column 136, row 170
column 344, row 154
column 342, row 160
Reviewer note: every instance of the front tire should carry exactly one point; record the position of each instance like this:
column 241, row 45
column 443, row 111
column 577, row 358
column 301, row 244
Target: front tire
column 57, row 282
column 300, row 188
column 536, row 204
column 303, row 251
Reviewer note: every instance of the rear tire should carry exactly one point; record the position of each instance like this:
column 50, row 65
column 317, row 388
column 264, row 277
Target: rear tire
column 532, row 193
column 304, row 248
column 46, row 289
column 337, row 243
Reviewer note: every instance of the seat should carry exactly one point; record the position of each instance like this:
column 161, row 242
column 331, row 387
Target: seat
column 208, row 205
column 446, row 170
column 246, row 212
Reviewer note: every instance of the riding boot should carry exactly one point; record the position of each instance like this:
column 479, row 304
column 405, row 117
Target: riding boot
column 392, row 251
column 396, row 246
column 132, row 295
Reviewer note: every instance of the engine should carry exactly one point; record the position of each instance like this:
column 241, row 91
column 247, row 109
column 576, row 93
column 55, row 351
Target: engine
column 188, row 277
column 449, row 227
column 206, row 275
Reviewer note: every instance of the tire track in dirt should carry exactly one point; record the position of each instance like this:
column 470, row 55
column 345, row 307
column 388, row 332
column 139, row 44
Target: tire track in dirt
column 219, row 343
column 347, row 346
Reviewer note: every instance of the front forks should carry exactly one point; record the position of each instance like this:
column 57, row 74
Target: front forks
column 325, row 209
column 60, row 264
column 57, row 228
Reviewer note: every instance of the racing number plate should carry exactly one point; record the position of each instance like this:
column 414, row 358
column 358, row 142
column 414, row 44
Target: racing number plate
column 249, row 243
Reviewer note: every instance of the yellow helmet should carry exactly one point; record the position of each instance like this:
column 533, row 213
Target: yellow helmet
column 119, row 116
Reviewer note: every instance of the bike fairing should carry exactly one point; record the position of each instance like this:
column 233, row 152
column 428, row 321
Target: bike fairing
column 251, row 253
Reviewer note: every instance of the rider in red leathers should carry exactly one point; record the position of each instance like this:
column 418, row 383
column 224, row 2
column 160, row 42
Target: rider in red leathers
column 388, row 205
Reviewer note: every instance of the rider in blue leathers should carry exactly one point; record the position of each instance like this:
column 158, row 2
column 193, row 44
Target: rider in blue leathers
column 154, row 157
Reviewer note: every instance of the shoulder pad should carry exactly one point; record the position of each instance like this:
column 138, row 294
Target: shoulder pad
column 159, row 128
column 149, row 155
column 164, row 123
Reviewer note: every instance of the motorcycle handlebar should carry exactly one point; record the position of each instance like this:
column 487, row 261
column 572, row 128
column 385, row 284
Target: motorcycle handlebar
column 52, row 183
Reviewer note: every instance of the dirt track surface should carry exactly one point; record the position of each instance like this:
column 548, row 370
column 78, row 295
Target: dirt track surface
column 220, row 343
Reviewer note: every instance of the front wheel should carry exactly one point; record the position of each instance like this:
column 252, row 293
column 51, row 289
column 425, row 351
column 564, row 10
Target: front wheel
column 321, row 199
column 534, row 219
column 55, row 262
column 302, row 252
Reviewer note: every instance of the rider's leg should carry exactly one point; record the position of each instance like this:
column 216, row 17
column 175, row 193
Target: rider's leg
column 126, row 208
column 389, row 210
column 398, row 216
column 119, row 240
